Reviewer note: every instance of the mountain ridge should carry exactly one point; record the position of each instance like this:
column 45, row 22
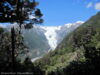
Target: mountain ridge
column 80, row 46
column 42, row 39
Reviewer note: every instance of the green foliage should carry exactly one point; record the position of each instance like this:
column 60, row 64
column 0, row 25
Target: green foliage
column 16, row 10
column 78, row 54
column 1, row 30
column 5, row 46
column 20, row 50
column 11, row 44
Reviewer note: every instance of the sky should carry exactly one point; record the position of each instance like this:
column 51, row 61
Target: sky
column 59, row 12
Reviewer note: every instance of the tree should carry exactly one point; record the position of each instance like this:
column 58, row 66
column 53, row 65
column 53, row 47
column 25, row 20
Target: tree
column 19, row 11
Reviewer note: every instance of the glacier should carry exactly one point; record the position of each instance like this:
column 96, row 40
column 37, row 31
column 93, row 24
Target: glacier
column 55, row 34
column 51, row 35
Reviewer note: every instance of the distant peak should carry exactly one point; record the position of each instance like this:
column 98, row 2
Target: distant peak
column 79, row 21
column 72, row 24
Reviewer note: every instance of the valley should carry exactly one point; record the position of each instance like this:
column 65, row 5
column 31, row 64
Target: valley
column 42, row 39
column 51, row 37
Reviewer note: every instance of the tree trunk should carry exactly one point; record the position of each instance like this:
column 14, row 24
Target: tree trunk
column 13, row 48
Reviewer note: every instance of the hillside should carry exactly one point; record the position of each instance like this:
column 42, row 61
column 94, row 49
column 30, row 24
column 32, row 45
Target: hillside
column 36, row 41
column 77, row 54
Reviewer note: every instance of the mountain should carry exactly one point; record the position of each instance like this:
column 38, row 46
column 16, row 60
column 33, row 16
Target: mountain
column 36, row 41
column 78, row 53
column 42, row 39
column 66, row 29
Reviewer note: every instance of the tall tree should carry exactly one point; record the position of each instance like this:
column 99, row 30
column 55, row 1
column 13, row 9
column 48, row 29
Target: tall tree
column 24, row 12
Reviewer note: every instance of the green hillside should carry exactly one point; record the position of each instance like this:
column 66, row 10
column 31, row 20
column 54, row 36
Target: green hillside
column 36, row 41
column 78, row 54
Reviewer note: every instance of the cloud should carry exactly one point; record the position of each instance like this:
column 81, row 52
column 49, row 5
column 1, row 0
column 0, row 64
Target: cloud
column 97, row 6
column 89, row 5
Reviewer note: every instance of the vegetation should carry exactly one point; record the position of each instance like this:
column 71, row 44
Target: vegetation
column 20, row 50
column 11, row 43
column 78, row 54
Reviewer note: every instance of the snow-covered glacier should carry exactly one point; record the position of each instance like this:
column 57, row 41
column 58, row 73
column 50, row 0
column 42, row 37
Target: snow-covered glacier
column 55, row 34
column 51, row 35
